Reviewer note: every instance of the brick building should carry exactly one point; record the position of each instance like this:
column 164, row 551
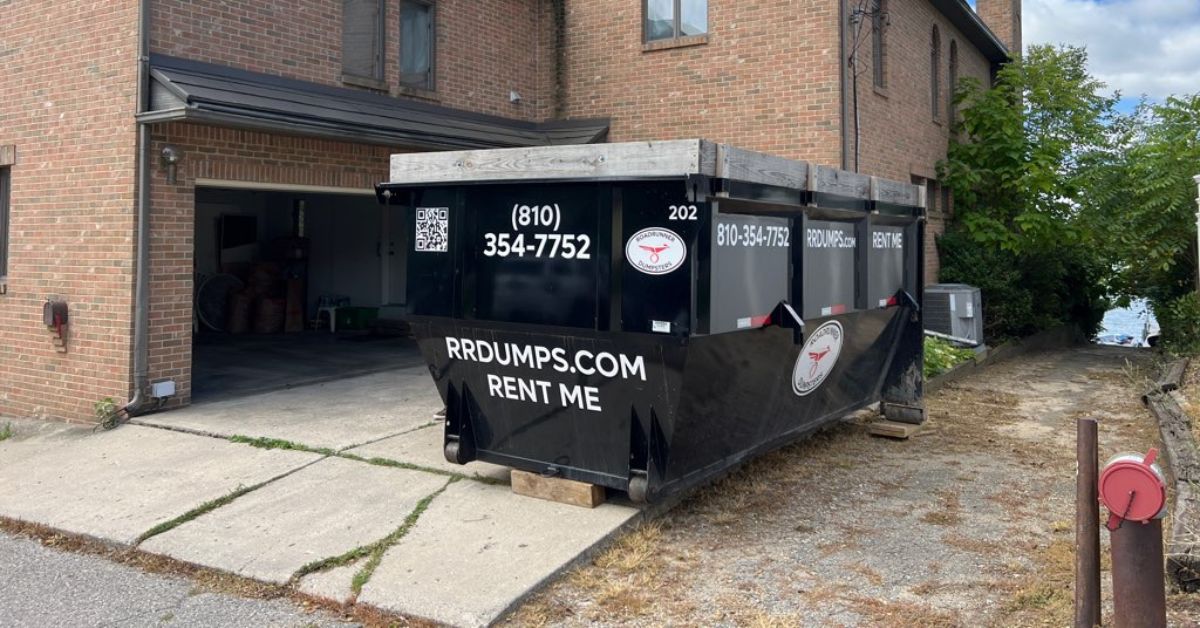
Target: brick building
column 223, row 129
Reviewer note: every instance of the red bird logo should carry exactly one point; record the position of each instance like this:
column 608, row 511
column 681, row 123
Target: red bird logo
column 816, row 358
column 654, row 251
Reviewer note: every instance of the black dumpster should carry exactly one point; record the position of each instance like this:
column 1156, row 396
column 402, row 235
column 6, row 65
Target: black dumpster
column 643, row 316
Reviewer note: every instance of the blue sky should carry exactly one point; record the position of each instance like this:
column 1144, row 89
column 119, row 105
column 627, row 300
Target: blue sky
column 1139, row 47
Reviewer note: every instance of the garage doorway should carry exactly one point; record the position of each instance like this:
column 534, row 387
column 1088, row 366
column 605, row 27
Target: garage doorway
column 294, row 287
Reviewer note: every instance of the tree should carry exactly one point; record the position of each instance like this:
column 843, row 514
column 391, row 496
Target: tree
column 1015, row 171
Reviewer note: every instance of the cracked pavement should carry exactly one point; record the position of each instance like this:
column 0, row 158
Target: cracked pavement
column 47, row 587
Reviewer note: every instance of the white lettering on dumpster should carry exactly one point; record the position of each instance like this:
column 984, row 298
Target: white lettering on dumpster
column 887, row 240
column 582, row 362
column 830, row 239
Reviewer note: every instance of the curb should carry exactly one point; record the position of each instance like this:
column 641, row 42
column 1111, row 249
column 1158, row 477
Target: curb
column 1055, row 338
column 1183, row 462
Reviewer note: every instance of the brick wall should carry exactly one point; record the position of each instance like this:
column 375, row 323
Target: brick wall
column 900, row 137
column 484, row 49
column 766, row 80
column 229, row 155
column 67, row 97
column 1004, row 18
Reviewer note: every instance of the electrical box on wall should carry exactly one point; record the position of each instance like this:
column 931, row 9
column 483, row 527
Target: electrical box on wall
column 54, row 316
column 163, row 389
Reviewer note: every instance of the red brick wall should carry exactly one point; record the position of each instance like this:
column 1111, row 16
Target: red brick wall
column 67, row 97
column 484, row 50
column 767, row 80
column 900, row 137
column 1004, row 18
column 231, row 155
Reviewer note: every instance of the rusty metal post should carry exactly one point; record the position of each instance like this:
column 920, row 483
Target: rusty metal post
column 1139, row 591
column 1087, row 525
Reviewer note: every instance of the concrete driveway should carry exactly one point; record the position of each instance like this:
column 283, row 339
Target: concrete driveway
column 337, row 489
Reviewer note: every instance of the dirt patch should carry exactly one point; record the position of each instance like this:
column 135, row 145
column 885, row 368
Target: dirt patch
column 968, row 524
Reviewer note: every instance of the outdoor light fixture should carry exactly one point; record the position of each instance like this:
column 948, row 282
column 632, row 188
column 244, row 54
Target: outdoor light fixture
column 170, row 158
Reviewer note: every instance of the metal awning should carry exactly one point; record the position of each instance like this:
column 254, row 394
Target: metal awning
column 186, row 90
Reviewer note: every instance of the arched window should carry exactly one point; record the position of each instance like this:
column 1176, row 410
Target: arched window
column 935, row 73
column 879, row 24
column 952, row 86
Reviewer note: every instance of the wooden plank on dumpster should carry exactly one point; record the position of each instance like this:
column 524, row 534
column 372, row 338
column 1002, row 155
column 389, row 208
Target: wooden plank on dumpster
column 558, row 490
column 892, row 429
column 842, row 183
column 573, row 161
column 742, row 165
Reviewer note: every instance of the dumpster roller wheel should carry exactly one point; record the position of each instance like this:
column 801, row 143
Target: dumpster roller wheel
column 913, row 415
column 639, row 485
column 451, row 452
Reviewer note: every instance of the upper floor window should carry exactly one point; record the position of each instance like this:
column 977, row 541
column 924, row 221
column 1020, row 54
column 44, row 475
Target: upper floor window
column 5, row 196
column 672, row 19
column 952, row 86
column 935, row 73
column 363, row 40
column 879, row 24
column 417, row 37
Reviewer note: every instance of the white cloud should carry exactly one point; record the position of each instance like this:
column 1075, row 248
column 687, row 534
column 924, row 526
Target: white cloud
column 1139, row 47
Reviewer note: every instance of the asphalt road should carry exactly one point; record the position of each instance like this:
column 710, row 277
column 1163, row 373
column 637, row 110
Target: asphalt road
column 44, row 587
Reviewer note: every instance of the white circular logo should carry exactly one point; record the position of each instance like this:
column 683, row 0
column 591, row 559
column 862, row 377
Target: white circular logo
column 817, row 358
column 656, row 251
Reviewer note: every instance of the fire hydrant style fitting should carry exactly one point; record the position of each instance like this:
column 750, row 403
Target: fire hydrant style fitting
column 1133, row 488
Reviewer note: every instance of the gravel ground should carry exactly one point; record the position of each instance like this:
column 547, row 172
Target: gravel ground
column 969, row 524
column 40, row 587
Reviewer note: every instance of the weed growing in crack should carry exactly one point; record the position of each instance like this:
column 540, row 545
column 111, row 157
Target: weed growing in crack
column 6, row 432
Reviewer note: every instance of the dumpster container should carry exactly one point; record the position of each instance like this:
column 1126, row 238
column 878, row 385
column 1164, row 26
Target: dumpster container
column 644, row 316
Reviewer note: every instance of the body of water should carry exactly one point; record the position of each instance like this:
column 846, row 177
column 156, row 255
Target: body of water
column 1128, row 326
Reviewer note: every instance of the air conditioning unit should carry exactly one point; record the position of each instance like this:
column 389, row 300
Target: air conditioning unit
column 954, row 309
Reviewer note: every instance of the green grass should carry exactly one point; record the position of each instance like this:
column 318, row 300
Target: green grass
column 279, row 443
column 373, row 552
column 204, row 508
column 942, row 355
column 6, row 432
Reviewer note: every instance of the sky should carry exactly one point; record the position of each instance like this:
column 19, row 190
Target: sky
column 1139, row 47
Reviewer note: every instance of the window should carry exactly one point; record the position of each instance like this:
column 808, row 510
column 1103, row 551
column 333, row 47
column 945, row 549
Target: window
column 416, row 44
column 951, row 109
column 879, row 24
column 5, row 197
column 363, row 40
column 672, row 19
column 935, row 73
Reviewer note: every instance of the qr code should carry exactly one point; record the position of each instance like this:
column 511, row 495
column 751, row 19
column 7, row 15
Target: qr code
column 433, row 229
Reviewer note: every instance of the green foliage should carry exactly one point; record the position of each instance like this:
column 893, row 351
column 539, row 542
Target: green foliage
column 942, row 355
column 1179, row 321
column 1141, row 200
column 1015, row 174
column 6, row 432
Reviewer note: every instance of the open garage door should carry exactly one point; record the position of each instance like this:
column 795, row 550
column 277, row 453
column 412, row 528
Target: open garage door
column 295, row 286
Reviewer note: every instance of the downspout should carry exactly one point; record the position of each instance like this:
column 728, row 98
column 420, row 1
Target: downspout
column 141, row 295
column 842, row 77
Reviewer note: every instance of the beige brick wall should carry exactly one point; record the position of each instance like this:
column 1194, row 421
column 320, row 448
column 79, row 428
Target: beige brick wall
column 484, row 49
column 900, row 137
column 67, row 92
column 767, row 79
column 227, row 155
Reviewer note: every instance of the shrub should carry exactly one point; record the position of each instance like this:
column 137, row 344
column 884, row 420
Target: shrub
column 941, row 356
column 1179, row 324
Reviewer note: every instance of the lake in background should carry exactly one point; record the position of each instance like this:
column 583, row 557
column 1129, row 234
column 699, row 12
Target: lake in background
column 1128, row 325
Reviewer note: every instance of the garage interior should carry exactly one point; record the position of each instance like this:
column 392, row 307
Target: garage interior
column 295, row 288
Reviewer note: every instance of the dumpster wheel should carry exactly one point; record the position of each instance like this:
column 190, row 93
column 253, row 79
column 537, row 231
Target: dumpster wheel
column 638, row 488
column 451, row 452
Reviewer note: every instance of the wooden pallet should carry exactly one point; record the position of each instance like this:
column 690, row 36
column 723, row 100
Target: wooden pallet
column 892, row 429
column 557, row 489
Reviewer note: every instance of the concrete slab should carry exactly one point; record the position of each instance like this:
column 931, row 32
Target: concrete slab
column 479, row 548
column 324, row 510
column 116, row 485
column 424, row 447
column 335, row 414
column 333, row 584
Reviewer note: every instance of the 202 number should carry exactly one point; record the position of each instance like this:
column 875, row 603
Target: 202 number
column 684, row 212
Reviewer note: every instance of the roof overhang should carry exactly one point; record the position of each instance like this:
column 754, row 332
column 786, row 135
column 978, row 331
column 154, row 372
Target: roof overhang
column 966, row 20
column 192, row 91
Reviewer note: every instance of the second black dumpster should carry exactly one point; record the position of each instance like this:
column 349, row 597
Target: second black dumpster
column 643, row 316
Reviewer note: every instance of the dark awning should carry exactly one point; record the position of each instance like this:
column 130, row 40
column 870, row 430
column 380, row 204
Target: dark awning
column 966, row 20
column 181, row 89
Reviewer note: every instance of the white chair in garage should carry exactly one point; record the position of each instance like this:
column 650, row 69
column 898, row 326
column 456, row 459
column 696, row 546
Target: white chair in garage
column 328, row 305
